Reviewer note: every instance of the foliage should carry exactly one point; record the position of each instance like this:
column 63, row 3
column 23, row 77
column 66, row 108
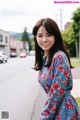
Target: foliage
column 75, row 25
column 75, row 63
column 69, row 41
column 25, row 37
column 32, row 43
column 75, row 28
column 78, row 101
column 72, row 34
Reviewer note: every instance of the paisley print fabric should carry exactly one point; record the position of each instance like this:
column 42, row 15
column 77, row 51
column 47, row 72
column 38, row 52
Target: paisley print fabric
column 56, row 81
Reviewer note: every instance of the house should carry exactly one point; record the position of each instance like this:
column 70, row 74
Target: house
column 67, row 25
column 26, row 47
column 4, row 42
column 19, row 47
column 13, row 47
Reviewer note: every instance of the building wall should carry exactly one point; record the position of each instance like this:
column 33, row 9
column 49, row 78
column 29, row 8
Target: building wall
column 4, row 42
column 9, row 44
column 67, row 25
column 19, row 47
column 26, row 46
column 13, row 45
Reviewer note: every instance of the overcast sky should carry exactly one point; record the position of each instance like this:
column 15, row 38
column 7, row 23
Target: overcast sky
column 17, row 14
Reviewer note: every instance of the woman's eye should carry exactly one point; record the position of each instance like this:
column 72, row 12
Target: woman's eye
column 40, row 36
column 48, row 34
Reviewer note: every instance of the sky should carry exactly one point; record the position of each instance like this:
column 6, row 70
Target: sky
column 15, row 15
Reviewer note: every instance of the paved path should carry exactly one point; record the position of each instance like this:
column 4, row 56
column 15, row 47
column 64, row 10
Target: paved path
column 76, row 73
column 76, row 82
column 42, row 95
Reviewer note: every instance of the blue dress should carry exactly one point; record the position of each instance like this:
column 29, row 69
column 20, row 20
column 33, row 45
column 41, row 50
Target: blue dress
column 57, row 82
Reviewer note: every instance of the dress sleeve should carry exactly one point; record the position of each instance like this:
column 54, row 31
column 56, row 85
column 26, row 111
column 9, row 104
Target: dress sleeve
column 57, row 89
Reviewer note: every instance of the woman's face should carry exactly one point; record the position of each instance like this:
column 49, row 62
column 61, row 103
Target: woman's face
column 44, row 39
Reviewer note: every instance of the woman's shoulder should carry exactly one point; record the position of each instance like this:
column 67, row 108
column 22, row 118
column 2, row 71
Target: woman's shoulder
column 59, row 54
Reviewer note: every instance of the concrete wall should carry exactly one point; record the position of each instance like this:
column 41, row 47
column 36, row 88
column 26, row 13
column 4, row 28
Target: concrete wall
column 19, row 47
column 4, row 42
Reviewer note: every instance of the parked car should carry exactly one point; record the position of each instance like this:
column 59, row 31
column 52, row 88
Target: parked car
column 3, row 57
column 23, row 55
column 13, row 54
column 32, row 53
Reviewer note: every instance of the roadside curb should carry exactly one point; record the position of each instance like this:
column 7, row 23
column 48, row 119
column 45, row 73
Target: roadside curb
column 76, row 88
column 76, row 72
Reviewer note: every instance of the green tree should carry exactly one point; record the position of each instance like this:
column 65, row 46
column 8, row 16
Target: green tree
column 25, row 37
column 71, row 35
column 69, row 42
column 32, row 43
column 75, row 28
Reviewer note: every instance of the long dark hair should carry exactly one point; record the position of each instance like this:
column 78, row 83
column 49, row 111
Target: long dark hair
column 52, row 28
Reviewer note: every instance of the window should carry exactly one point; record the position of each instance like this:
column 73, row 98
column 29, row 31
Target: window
column 11, row 43
column 14, row 43
column 6, row 39
column 1, row 38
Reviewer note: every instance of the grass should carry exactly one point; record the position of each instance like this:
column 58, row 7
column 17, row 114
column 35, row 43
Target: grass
column 78, row 101
column 75, row 63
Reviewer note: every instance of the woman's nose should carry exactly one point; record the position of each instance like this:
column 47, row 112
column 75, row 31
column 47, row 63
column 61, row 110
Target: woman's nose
column 44, row 38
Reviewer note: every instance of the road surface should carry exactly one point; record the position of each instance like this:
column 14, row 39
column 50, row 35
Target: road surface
column 19, row 89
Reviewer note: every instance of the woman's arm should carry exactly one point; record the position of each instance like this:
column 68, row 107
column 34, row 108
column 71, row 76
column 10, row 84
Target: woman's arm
column 57, row 90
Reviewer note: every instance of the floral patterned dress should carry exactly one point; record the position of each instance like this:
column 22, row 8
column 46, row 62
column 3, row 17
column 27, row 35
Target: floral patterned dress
column 57, row 82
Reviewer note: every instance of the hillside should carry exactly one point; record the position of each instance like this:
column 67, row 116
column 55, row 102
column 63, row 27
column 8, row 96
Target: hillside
column 18, row 35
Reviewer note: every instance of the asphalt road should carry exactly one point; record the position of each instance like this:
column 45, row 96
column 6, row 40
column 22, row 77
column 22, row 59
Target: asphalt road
column 19, row 89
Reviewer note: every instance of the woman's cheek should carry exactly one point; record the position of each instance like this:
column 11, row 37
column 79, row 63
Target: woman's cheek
column 39, row 43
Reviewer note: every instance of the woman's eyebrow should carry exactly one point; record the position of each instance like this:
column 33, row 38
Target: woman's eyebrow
column 42, row 33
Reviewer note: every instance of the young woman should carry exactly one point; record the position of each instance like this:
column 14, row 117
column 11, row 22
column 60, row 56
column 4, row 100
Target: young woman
column 53, row 62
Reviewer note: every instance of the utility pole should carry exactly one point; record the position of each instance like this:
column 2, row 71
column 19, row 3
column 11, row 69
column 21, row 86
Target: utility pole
column 61, row 18
column 56, row 18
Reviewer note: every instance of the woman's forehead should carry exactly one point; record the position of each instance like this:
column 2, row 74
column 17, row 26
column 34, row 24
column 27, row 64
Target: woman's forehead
column 42, row 29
